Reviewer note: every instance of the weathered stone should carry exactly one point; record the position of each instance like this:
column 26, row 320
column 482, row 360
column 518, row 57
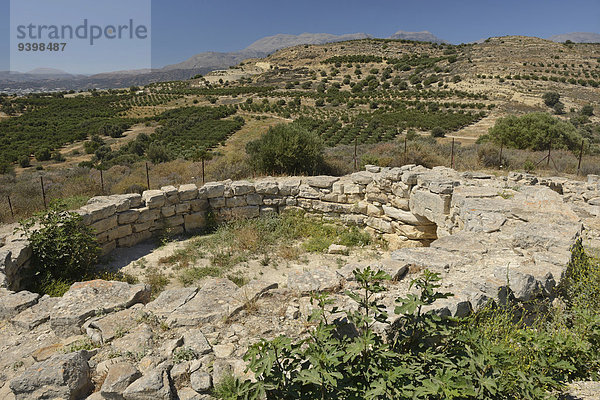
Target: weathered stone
column 36, row 314
column 194, row 221
column 96, row 211
column 104, row 224
column 167, row 211
column 217, row 202
column 267, row 187
column 13, row 303
column 128, row 217
column 245, row 212
column 241, row 188
column 148, row 215
column 289, row 186
column 362, row 177
column 134, row 238
column 105, row 329
column 154, row 198
column 221, row 370
column 416, row 232
column 195, row 340
column 182, row 208
column 380, row 225
column 429, row 205
column 84, row 299
column 237, row 201
column 317, row 280
column 136, row 342
column 322, row 181
column 201, row 381
column 119, row 377
column 214, row 301
column 405, row 216
column 152, row 386
column 214, row 189
column 254, row 199
column 308, row 192
column 63, row 376
column 188, row 192
column 199, row 205
column 443, row 187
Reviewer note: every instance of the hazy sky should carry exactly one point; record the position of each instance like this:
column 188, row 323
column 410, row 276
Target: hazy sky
column 182, row 28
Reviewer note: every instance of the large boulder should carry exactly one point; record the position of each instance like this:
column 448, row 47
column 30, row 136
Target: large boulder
column 63, row 376
column 155, row 385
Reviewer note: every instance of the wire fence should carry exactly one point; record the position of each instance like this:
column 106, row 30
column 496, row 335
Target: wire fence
column 23, row 197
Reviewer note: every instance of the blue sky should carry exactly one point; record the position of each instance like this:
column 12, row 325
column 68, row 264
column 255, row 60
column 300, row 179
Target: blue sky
column 182, row 28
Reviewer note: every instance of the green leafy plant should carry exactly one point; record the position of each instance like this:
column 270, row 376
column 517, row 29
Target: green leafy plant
column 64, row 250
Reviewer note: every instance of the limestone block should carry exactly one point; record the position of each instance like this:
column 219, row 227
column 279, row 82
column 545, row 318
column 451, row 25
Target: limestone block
column 167, row 211
column 127, row 217
column 267, row 187
column 236, row 201
column 154, row 198
column 241, row 188
column 194, row 221
column 188, row 192
column 104, row 224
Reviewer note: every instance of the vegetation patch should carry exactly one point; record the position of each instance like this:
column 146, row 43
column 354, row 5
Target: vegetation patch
column 504, row 351
column 284, row 235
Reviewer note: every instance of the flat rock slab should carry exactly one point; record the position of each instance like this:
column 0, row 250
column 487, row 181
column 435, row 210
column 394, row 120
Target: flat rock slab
column 35, row 315
column 107, row 328
column 318, row 280
column 86, row 299
column 215, row 300
column 169, row 300
column 63, row 376
column 13, row 303
column 119, row 377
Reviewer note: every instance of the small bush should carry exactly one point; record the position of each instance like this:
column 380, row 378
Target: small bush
column 287, row 149
column 63, row 250
column 438, row 132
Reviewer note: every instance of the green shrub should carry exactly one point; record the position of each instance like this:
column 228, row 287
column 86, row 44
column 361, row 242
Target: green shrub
column 551, row 98
column 24, row 161
column 493, row 354
column 587, row 110
column 287, row 149
column 534, row 131
column 63, row 250
column 43, row 155
column 438, row 132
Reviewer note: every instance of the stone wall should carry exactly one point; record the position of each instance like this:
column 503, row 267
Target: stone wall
column 410, row 206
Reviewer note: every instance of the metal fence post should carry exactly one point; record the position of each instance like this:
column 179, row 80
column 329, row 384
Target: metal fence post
column 580, row 157
column 452, row 155
column 147, row 177
column 12, row 213
column 43, row 192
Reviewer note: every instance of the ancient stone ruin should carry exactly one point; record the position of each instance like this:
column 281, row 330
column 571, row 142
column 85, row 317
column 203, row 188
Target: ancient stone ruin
column 489, row 237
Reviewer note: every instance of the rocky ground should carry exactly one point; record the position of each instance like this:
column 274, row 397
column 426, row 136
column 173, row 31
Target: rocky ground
column 111, row 340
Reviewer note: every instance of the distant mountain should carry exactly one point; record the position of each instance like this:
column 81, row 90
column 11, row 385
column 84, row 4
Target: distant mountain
column 270, row 44
column 577, row 37
column 260, row 48
column 423, row 36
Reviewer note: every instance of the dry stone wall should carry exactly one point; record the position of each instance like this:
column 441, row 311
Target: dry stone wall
column 410, row 206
